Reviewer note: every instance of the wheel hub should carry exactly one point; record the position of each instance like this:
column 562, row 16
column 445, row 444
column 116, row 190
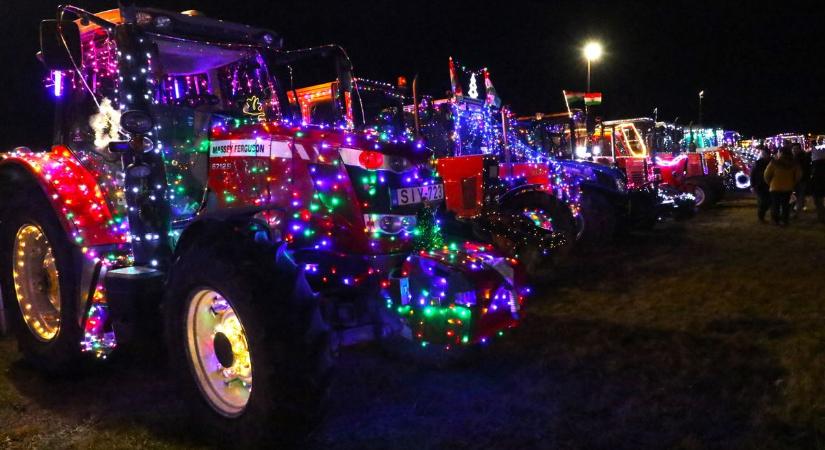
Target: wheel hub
column 218, row 352
column 36, row 282
column 223, row 350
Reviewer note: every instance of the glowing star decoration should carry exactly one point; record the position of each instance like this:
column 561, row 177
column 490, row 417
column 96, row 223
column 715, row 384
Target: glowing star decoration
column 106, row 124
column 473, row 91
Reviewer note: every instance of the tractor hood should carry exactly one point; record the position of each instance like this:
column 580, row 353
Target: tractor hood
column 340, row 190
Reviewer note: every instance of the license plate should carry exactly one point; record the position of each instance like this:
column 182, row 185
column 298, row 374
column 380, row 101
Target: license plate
column 418, row 194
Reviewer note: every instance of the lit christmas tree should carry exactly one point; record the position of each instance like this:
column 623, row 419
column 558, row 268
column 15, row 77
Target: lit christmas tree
column 427, row 231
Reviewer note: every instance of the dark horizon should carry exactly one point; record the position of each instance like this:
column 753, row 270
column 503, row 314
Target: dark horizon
column 756, row 65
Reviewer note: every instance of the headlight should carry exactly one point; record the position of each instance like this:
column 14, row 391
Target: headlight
column 389, row 223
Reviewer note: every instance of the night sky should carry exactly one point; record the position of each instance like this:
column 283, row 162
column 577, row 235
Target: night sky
column 760, row 66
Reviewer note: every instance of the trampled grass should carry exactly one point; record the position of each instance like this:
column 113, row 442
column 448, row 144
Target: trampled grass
column 704, row 334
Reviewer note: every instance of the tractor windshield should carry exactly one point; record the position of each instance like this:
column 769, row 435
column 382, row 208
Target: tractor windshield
column 201, row 86
column 215, row 79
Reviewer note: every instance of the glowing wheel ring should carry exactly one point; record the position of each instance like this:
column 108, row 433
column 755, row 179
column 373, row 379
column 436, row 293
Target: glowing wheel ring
column 213, row 329
column 699, row 194
column 743, row 181
column 36, row 282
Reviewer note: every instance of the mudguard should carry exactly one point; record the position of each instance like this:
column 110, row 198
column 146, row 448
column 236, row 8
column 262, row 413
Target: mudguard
column 522, row 189
column 597, row 178
column 74, row 194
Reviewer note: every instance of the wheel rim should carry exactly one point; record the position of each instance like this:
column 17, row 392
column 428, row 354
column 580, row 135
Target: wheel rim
column 36, row 282
column 219, row 352
column 699, row 193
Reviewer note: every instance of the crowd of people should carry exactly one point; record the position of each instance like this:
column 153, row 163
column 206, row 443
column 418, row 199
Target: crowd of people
column 784, row 181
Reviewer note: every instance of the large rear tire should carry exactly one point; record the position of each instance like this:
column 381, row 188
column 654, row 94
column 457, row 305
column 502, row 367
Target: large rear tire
column 597, row 220
column 39, row 277
column 537, row 264
column 235, row 318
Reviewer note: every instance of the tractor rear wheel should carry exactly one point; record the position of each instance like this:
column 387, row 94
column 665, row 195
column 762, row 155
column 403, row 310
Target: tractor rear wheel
column 537, row 264
column 40, row 277
column 237, row 319
column 596, row 221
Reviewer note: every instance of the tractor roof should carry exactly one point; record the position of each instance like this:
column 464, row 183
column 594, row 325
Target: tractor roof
column 190, row 25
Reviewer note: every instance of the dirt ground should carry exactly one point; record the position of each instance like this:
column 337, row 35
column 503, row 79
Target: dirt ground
column 704, row 334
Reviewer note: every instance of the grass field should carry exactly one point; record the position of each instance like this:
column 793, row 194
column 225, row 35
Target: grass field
column 705, row 334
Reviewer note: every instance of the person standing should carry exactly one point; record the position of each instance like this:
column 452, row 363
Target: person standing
column 803, row 160
column 782, row 174
column 758, row 184
column 818, row 179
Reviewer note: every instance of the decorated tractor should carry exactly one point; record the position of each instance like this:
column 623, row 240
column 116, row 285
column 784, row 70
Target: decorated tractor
column 510, row 205
column 719, row 149
column 183, row 182
column 494, row 184
column 628, row 144
column 615, row 197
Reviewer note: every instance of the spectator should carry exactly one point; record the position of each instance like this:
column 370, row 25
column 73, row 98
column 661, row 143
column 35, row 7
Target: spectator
column 782, row 175
column 803, row 160
column 758, row 184
column 818, row 179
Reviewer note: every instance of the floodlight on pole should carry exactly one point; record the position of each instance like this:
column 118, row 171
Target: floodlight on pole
column 592, row 52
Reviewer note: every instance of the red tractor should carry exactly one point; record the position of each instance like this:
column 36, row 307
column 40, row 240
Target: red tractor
column 183, row 197
column 510, row 204
column 632, row 145
column 504, row 191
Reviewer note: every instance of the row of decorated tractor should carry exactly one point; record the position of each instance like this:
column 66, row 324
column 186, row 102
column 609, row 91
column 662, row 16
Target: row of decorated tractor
column 258, row 208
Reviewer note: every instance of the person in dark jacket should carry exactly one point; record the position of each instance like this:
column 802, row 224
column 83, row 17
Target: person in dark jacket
column 758, row 184
column 817, row 186
column 803, row 159
column 782, row 175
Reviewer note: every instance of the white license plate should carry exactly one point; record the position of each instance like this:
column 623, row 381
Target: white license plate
column 418, row 194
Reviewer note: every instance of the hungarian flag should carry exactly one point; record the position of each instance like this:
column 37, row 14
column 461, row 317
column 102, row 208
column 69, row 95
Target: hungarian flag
column 456, row 87
column 572, row 97
column 593, row 98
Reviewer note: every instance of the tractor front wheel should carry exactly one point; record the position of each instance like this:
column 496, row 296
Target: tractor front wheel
column 247, row 341
column 703, row 194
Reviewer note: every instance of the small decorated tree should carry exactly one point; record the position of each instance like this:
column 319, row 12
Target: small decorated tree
column 427, row 231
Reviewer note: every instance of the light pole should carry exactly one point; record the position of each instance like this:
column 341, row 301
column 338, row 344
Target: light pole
column 592, row 51
column 701, row 96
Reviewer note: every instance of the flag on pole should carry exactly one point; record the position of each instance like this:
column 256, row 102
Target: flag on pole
column 573, row 97
column 593, row 98
column 492, row 95
column 566, row 104
column 454, row 85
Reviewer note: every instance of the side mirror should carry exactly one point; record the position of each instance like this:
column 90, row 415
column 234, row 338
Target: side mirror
column 52, row 50
column 136, row 122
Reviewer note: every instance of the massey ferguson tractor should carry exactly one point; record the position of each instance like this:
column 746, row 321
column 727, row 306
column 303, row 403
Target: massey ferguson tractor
column 184, row 197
